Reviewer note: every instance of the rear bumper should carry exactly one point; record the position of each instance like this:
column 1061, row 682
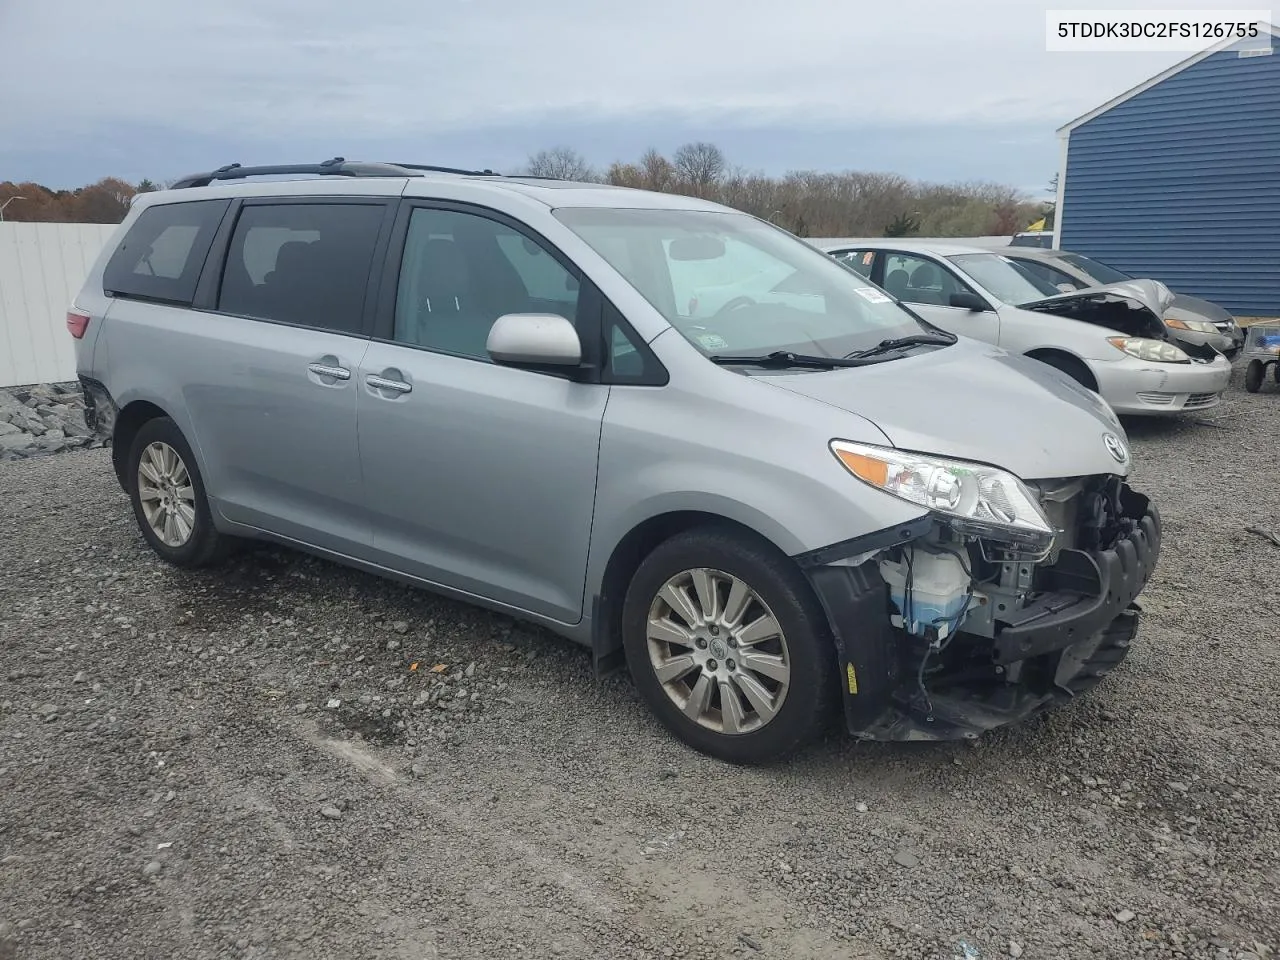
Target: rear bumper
column 1080, row 623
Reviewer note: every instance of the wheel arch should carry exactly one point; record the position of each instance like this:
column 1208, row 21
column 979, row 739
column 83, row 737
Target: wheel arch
column 1069, row 359
column 627, row 555
column 128, row 422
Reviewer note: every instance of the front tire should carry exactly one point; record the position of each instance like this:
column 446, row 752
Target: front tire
column 729, row 647
column 168, row 497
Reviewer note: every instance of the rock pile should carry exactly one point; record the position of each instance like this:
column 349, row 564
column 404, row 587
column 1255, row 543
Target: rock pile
column 42, row 419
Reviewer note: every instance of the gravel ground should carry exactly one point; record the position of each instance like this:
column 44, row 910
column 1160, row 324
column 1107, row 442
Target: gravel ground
column 246, row 763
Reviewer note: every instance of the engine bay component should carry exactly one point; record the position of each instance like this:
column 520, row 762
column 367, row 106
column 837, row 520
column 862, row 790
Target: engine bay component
column 948, row 634
column 929, row 588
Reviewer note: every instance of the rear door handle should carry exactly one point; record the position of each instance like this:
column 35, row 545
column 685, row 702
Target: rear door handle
column 382, row 383
column 325, row 370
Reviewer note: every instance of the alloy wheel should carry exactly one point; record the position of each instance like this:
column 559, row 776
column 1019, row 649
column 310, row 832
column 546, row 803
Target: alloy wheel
column 167, row 497
column 718, row 651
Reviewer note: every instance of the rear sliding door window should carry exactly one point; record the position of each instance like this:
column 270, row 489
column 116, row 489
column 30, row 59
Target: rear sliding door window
column 302, row 263
column 161, row 256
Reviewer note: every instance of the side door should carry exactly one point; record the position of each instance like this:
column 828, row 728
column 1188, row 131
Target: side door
column 480, row 477
column 273, row 372
column 928, row 285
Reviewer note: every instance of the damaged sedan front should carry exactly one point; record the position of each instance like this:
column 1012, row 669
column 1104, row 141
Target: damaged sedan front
column 1154, row 374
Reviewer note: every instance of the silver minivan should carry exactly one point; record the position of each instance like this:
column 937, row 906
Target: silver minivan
column 803, row 505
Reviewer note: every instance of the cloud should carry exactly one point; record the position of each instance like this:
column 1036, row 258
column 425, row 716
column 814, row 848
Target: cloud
column 281, row 64
column 275, row 71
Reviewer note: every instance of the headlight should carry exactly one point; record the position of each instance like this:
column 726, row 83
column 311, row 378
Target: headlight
column 971, row 497
column 1156, row 351
column 1196, row 326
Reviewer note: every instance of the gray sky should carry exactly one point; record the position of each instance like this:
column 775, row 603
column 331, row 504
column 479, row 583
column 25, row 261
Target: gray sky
column 932, row 89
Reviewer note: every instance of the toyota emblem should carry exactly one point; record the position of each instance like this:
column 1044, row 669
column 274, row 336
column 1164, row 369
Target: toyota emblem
column 1115, row 447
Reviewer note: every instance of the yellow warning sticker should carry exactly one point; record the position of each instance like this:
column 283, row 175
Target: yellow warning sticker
column 853, row 678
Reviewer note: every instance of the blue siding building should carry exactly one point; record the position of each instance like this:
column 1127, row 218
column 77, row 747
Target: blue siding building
column 1179, row 180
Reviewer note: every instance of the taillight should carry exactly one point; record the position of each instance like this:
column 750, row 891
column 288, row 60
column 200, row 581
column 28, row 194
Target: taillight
column 77, row 323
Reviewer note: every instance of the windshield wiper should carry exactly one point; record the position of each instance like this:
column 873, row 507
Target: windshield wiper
column 915, row 340
column 785, row 358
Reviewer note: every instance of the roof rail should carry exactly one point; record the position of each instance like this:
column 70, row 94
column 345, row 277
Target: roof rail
column 465, row 173
column 337, row 167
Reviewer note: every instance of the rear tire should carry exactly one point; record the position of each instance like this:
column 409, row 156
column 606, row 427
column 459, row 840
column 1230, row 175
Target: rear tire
column 701, row 611
column 168, row 497
column 1254, row 374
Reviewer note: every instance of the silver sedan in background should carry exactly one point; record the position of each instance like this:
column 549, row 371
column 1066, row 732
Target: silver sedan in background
column 1110, row 338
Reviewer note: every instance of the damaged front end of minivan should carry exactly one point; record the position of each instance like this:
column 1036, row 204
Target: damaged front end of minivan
column 1005, row 599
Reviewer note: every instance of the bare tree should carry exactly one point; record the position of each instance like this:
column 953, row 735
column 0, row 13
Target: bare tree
column 560, row 163
column 815, row 203
column 656, row 171
column 701, row 164
column 624, row 175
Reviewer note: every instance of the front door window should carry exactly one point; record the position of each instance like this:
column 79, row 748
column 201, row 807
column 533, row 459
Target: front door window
column 919, row 280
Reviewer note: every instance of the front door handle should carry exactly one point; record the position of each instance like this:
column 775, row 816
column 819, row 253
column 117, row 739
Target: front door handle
column 382, row 383
column 326, row 370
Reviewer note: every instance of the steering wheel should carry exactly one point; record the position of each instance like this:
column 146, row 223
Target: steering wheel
column 734, row 305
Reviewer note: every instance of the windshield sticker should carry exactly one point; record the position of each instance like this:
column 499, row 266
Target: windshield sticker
column 871, row 294
column 712, row 341
column 868, row 257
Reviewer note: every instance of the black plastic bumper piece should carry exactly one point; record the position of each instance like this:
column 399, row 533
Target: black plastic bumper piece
column 877, row 540
column 855, row 601
column 1085, row 591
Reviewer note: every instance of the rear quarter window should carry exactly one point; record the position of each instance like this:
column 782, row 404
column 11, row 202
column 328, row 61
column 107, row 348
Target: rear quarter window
column 161, row 255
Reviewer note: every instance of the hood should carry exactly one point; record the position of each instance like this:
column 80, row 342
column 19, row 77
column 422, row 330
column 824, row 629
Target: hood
column 1197, row 309
column 1151, row 296
column 1135, row 307
column 974, row 402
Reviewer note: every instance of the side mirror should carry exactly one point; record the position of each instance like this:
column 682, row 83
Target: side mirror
column 534, row 340
column 968, row 301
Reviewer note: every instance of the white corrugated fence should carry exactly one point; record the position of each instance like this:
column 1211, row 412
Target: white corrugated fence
column 42, row 267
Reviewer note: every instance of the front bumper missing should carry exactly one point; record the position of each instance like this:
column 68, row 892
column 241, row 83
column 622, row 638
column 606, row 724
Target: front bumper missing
column 1078, row 626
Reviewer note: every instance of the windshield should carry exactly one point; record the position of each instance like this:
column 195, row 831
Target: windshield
column 1100, row 272
column 732, row 284
column 1004, row 279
